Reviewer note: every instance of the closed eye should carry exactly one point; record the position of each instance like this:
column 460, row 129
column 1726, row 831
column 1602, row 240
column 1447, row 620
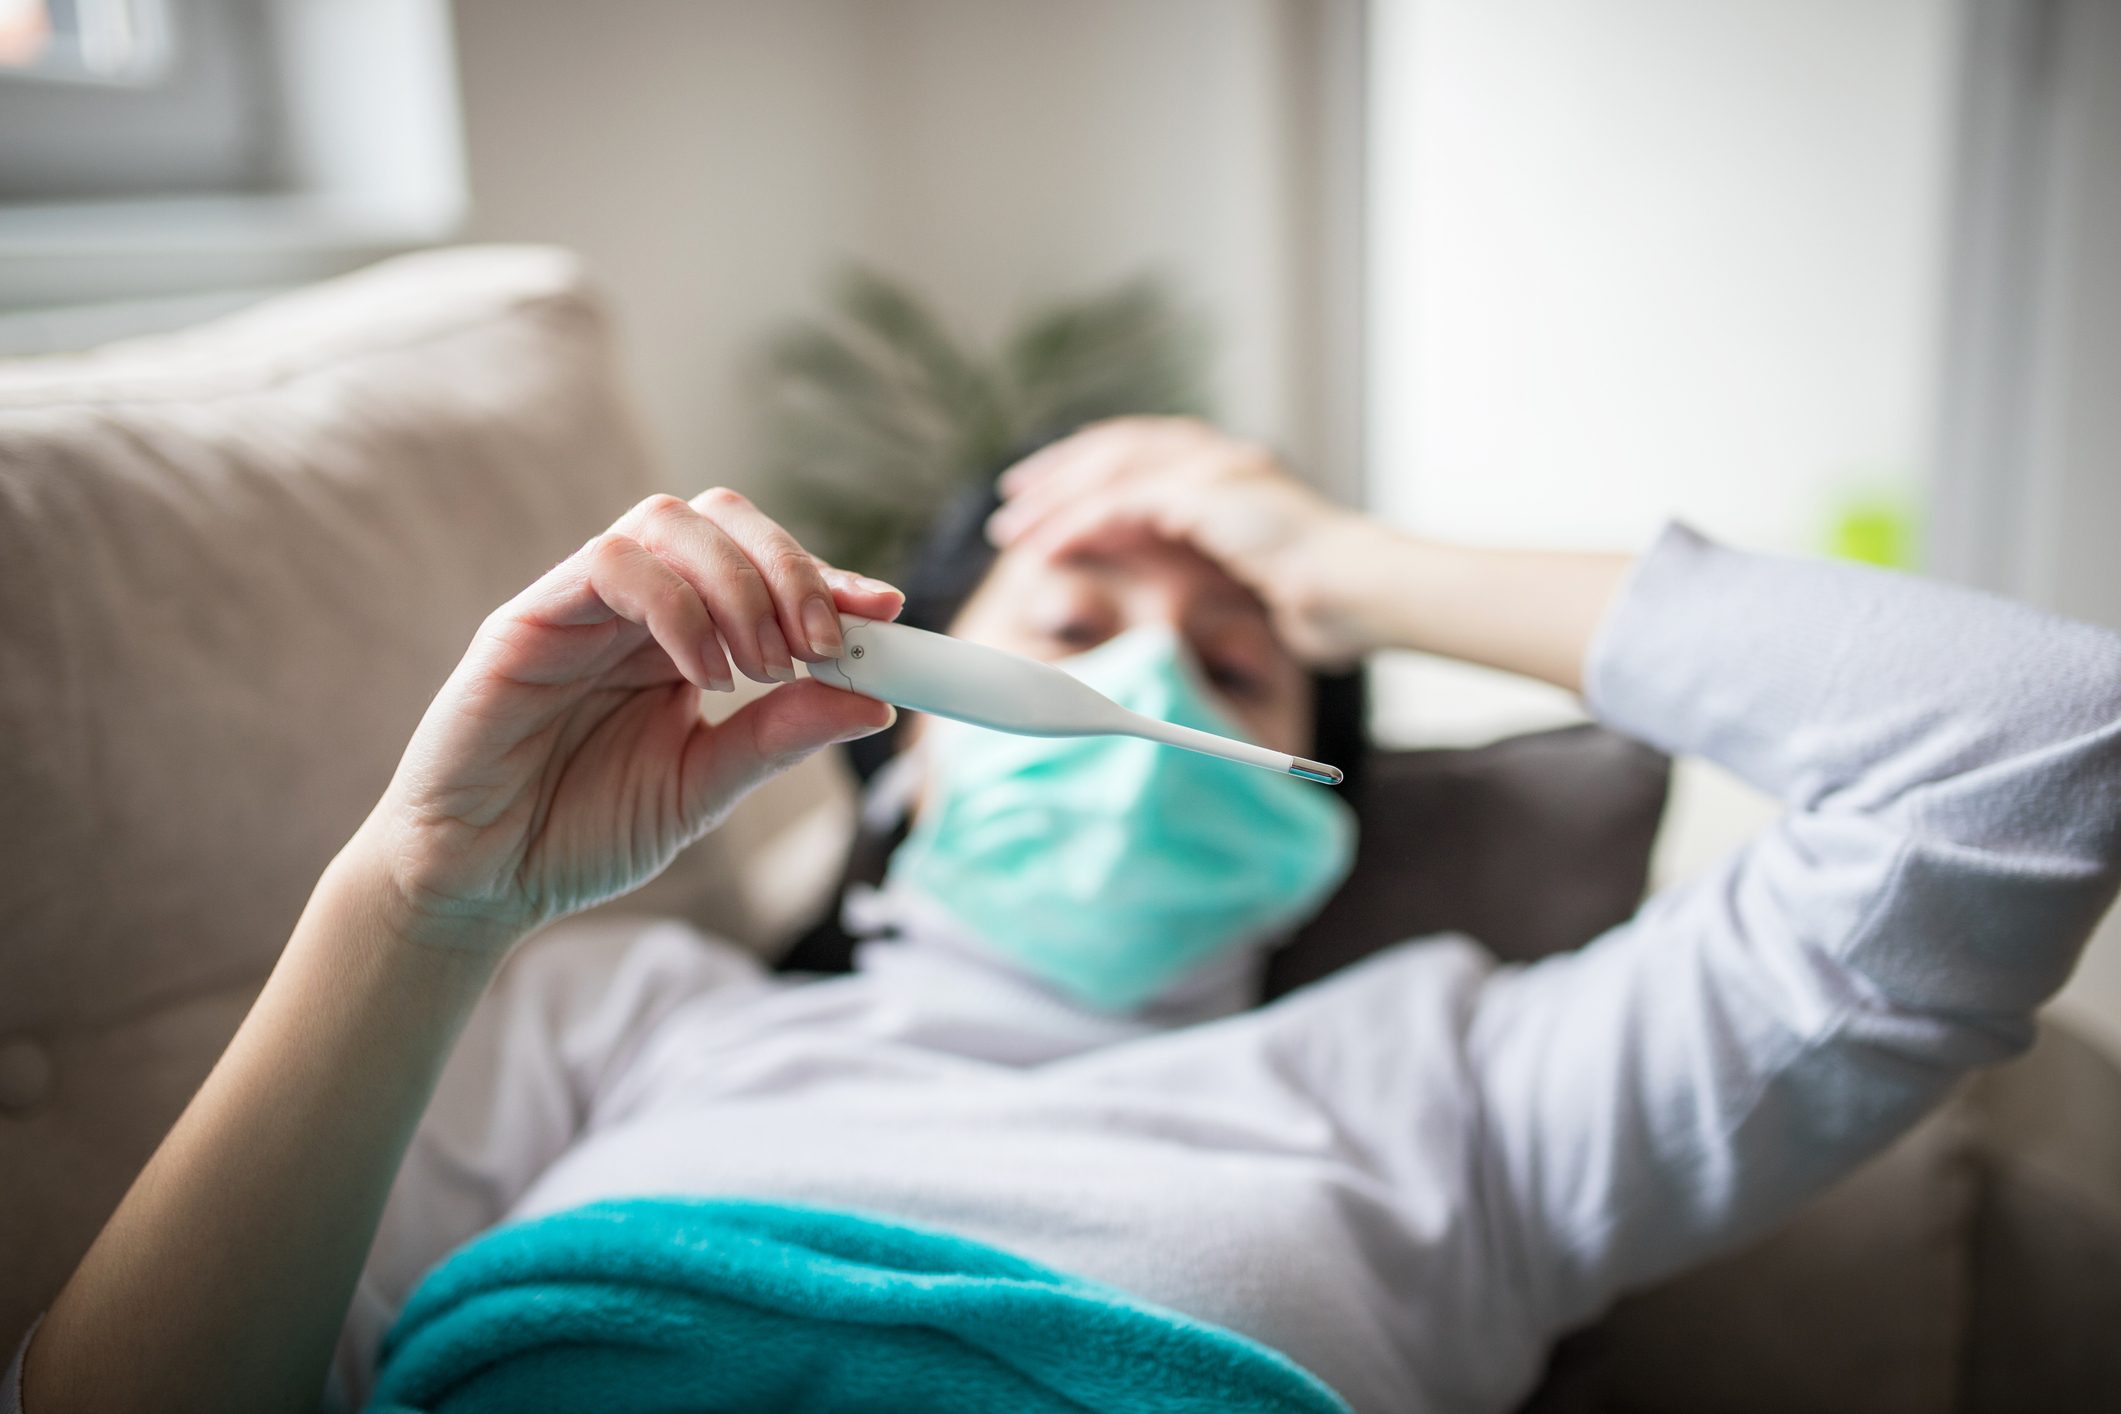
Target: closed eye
column 1080, row 634
column 1238, row 682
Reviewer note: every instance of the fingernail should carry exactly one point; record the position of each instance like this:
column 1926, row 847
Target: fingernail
column 719, row 678
column 890, row 721
column 774, row 649
column 876, row 586
column 823, row 627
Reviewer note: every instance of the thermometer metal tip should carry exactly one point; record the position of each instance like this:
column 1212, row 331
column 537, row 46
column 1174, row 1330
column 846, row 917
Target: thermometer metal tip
column 1316, row 771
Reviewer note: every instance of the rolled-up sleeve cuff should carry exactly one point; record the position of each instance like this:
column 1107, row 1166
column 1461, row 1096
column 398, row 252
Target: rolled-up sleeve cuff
column 1716, row 652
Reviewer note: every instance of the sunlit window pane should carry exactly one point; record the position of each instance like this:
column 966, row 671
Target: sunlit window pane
column 108, row 41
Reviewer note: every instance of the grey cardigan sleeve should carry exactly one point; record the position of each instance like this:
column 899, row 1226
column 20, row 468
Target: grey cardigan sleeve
column 1951, row 769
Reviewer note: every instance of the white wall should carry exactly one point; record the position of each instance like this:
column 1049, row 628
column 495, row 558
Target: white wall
column 1028, row 149
column 714, row 158
column 1653, row 256
column 705, row 157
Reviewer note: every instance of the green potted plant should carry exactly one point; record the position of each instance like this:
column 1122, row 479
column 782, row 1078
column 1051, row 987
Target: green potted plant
column 878, row 414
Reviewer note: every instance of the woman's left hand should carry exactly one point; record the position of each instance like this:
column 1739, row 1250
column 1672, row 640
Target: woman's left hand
column 567, row 760
column 1182, row 480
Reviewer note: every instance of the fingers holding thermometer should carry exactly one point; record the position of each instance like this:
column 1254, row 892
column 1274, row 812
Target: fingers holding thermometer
column 567, row 758
column 771, row 601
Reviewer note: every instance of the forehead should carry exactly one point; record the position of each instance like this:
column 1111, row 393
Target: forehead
column 1139, row 565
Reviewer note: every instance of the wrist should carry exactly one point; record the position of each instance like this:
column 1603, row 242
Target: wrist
column 1528, row 612
column 1345, row 583
column 362, row 885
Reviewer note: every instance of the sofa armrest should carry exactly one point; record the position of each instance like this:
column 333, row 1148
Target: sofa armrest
column 2045, row 1244
column 1975, row 1265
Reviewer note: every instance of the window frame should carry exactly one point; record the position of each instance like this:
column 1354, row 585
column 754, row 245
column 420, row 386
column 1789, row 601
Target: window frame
column 364, row 156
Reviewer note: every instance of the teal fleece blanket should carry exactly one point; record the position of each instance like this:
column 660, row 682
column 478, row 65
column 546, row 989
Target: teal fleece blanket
column 652, row 1305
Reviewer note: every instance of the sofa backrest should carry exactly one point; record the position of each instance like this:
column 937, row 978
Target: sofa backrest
column 235, row 563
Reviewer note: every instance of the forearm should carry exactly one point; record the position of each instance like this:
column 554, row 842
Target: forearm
column 1949, row 762
column 1531, row 612
column 223, row 1277
column 1949, row 759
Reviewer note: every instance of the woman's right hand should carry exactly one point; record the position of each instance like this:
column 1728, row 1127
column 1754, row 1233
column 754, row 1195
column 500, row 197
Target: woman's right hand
column 1339, row 584
column 1310, row 562
column 567, row 760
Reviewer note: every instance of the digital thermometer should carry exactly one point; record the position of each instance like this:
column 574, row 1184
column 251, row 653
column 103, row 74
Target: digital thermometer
column 970, row 682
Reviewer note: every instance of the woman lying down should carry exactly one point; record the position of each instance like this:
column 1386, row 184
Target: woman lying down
column 1042, row 1149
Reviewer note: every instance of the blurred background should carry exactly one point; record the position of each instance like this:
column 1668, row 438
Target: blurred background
column 1820, row 277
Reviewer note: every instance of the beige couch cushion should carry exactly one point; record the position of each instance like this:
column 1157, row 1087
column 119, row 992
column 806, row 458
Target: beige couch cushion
column 234, row 565
column 1974, row 1266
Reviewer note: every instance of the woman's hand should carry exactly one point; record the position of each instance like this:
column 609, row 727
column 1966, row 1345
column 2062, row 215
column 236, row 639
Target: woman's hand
column 1182, row 480
column 566, row 759
column 1338, row 584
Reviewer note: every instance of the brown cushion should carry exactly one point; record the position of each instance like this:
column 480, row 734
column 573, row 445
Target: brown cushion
column 1451, row 838
column 2046, row 1232
column 1974, row 1266
column 234, row 565
column 1857, row 1306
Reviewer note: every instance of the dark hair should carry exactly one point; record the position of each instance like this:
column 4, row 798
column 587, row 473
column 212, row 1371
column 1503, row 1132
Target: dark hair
column 954, row 560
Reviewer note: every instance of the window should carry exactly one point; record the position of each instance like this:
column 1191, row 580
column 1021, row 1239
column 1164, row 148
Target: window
column 88, row 41
column 119, row 98
column 154, row 148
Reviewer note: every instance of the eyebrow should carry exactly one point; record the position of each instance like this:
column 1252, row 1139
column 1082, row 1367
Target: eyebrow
column 1105, row 564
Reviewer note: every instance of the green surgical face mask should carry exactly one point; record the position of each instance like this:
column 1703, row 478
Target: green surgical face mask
column 1110, row 867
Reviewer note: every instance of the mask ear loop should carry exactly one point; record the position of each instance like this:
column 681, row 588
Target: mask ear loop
column 888, row 798
column 881, row 814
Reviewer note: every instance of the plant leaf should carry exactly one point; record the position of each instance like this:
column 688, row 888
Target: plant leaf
column 877, row 414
